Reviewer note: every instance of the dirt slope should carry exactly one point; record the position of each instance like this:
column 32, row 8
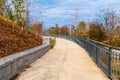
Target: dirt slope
column 13, row 39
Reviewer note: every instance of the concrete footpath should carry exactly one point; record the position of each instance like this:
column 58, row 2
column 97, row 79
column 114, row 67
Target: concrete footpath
column 67, row 61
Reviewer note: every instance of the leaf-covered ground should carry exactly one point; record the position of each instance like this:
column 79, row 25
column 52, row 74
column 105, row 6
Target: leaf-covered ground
column 14, row 40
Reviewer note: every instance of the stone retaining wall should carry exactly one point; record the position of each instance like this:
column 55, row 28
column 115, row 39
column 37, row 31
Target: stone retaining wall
column 13, row 64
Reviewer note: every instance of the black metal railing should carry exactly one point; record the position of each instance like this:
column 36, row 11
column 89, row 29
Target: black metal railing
column 106, row 57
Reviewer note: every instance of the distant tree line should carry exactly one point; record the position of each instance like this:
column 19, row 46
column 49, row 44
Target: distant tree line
column 56, row 30
column 105, row 28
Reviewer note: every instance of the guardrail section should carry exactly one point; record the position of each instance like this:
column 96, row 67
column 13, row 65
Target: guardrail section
column 106, row 57
column 13, row 64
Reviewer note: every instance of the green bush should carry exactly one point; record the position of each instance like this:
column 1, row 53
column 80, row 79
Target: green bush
column 52, row 42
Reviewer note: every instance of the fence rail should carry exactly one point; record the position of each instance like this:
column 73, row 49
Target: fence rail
column 107, row 57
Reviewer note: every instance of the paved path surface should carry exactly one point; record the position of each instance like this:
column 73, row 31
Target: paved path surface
column 67, row 61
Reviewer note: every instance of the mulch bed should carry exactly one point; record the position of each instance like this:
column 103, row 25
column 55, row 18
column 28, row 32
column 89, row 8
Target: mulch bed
column 14, row 39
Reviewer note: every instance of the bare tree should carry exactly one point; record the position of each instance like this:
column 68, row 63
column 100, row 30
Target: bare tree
column 108, row 19
column 113, row 21
column 103, row 17
column 27, row 13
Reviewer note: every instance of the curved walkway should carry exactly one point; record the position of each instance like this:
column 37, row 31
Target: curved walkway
column 67, row 61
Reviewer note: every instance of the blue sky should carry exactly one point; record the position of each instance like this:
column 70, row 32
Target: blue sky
column 62, row 11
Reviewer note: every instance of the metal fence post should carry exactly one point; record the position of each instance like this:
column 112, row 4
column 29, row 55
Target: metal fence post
column 110, row 63
column 96, row 54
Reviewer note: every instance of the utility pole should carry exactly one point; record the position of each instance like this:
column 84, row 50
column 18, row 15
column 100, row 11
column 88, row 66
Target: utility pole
column 77, row 14
column 70, row 26
column 76, row 18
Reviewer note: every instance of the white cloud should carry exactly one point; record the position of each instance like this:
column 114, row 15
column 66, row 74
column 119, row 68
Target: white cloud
column 63, row 9
column 58, row 12
column 70, row 0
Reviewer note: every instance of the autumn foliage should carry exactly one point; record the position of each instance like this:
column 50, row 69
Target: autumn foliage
column 96, row 32
column 58, row 30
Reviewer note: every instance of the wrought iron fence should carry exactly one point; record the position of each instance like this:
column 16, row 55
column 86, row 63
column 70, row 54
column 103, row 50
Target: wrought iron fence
column 106, row 57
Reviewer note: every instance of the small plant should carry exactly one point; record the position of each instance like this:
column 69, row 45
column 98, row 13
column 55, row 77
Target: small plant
column 52, row 42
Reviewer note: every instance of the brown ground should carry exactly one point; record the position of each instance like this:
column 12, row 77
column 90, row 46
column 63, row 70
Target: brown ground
column 14, row 40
